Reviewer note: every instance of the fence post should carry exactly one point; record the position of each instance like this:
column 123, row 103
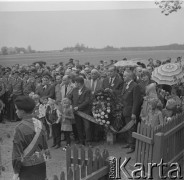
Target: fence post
column 0, row 163
column 111, row 138
column 157, row 154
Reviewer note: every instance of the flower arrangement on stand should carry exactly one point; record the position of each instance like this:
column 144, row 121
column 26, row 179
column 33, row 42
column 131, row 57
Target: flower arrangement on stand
column 107, row 111
column 103, row 107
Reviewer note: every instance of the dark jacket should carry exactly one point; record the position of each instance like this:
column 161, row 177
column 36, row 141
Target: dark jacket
column 82, row 101
column 131, row 99
column 22, row 138
column 49, row 91
column 17, row 86
column 115, row 85
column 28, row 87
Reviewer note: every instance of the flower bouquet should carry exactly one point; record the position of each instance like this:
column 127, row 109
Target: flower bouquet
column 103, row 107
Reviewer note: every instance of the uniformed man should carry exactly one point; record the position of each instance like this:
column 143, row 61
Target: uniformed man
column 28, row 84
column 30, row 149
column 16, row 90
column 6, row 81
column 2, row 95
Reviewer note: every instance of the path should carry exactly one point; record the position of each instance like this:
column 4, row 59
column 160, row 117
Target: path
column 57, row 163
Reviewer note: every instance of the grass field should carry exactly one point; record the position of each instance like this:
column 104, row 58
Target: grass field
column 92, row 57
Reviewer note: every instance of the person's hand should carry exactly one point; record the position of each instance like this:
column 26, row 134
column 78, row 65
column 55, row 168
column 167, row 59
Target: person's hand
column 108, row 89
column 76, row 108
column 15, row 177
column 133, row 117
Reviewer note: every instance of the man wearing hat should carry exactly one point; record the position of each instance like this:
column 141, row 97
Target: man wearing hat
column 2, row 96
column 16, row 90
column 28, row 84
column 70, row 63
column 30, row 149
column 7, row 80
column 46, row 89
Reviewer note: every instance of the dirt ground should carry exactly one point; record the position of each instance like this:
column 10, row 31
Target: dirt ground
column 57, row 163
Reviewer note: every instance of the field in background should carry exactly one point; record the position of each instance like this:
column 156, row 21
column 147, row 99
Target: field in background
column 92, row 57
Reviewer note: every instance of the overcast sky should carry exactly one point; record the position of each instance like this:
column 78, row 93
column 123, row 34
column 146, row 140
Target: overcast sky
column 53, row 26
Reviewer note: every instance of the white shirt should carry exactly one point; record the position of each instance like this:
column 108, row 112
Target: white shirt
column 128, row 84
column 95, row 83
column 42, row 110
column 112, row 80
column 44, row 87
column 80, row 91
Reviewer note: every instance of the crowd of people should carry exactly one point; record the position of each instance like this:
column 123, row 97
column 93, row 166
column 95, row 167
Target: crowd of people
column 61, row 90
column 53, row 94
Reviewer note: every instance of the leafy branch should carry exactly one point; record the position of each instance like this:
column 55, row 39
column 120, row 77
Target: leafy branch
column 169, row 6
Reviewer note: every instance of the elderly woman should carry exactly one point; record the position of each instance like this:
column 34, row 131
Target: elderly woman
column 29, row 144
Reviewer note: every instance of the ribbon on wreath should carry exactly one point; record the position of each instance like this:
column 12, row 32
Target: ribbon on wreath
column 92, row 119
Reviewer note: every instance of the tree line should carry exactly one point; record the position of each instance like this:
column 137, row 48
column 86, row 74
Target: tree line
column 16, row 50
column 82, row 48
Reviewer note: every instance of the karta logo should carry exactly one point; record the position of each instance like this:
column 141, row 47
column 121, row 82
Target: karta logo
column 118, row 170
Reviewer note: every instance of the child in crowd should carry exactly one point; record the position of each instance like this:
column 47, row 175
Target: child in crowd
column 42, row 113
column 67, row 116
column 155, row 116
column 53, row 120
column 36, row 99
column 170, row 110
column 42, row 108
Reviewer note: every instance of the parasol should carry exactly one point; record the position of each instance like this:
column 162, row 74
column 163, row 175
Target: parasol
column 169, row 74
column 126, row 63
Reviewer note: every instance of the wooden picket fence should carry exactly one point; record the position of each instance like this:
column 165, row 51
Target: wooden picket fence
column 85, row 165
column 163, row 142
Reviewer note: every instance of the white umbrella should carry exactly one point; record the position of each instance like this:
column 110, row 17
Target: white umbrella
column 168, row 74
column 126, row 63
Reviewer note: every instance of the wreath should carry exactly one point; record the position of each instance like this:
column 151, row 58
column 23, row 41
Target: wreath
column 103, row 107
column 107, row 110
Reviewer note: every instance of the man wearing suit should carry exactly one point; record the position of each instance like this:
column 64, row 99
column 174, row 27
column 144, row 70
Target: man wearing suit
column 138, row 73
column 64, row 89
column 46, row 89
column 113, row 81
column 131, row 100
column 95, row 84
column 81, row 99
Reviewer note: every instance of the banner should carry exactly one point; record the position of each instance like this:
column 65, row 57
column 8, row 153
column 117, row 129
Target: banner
column 92, row 119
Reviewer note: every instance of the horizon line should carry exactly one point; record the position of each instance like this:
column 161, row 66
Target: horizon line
column 29, row 6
